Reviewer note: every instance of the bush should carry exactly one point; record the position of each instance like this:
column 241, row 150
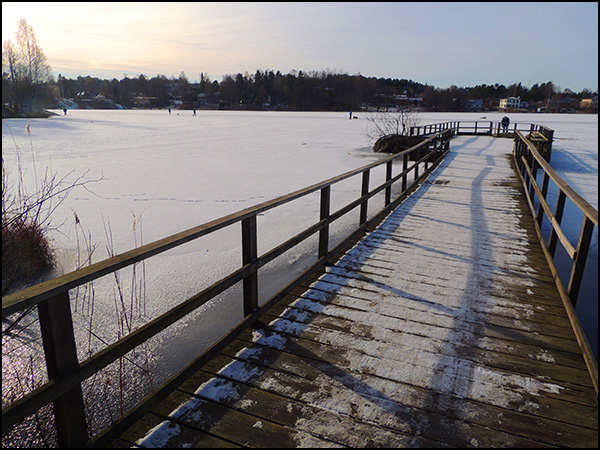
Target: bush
column 25, row 252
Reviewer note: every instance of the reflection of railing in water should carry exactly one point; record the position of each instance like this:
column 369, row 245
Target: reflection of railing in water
column 53, row 301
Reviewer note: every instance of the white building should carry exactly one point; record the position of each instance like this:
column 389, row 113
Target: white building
column 510, row 103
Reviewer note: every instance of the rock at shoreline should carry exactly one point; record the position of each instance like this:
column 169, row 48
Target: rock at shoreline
column 395, row 143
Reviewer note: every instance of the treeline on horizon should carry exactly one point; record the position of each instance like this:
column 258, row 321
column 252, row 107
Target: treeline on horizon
column 298, row 90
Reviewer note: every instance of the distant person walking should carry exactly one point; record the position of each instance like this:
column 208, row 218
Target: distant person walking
column 65, row 111
column 194, row 112
column 169, row 111
column 505, row 122
column 350, row 115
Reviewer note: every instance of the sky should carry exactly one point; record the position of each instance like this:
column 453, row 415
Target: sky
column 440, row 44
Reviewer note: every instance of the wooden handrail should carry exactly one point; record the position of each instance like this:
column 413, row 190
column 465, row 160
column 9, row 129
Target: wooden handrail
column 64, row 386
column 587, row 209
column 528, row 161
column 35, row 294
column 486, row 127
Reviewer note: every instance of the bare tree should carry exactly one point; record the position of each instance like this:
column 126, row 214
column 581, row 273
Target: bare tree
column 33, row 58
column 10, row 62
column 27, row 65
column 397, row 123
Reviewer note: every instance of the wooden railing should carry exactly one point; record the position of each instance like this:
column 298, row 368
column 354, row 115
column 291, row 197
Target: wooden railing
column 52, row 297
column 540, row 135
column 487, row 127
column 530, row 163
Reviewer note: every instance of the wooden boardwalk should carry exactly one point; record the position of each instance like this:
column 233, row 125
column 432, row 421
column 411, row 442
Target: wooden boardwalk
column 442, row 327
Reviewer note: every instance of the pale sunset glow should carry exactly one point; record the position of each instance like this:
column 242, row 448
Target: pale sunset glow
column 441, row 44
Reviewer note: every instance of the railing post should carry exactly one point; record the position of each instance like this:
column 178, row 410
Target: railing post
column 404, row 167
column 585, row 238
column 540, row 212
column 558, row 213
column 60, row 352
column 521, row 153
column 364, row 191
column 249, row 255
column 324, row 233
column 417, row 153
column 433, row 149
column 388, row 177
column 550, row 136
column 533, row 167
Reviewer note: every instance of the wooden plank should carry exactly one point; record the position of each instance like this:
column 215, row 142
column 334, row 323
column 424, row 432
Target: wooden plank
column 400, row 407
column 340, row 355
column 490, row 349
column 567, row 343
column 287, row 412
column 169, row 433
column 229, row 424
column 456, row 357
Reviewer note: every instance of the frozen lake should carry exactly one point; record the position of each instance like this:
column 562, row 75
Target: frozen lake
column 161, row 174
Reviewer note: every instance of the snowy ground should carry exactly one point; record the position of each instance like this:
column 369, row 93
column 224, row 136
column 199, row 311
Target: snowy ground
column 178, row 171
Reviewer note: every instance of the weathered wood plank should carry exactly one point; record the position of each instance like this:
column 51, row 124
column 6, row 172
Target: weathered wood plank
column 432, row 357
column 402, row 407
column 232, row 425
column 288, row 412
column 496, row 354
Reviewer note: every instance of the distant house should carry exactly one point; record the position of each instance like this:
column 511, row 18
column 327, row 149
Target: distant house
column 588, row 103
column 510, row 103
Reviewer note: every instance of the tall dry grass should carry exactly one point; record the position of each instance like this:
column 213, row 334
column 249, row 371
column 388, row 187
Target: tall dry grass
column 26, row 250
column 27, row 217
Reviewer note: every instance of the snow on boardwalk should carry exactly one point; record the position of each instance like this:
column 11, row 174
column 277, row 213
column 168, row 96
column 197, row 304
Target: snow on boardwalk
column 441, row 328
